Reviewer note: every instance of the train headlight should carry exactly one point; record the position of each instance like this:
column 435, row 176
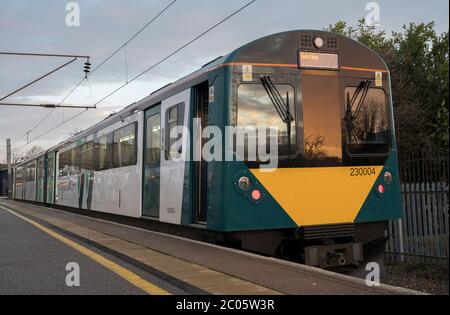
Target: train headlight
column 318, row 42
column 244, row 183
column 387, row 178
column 380, row 189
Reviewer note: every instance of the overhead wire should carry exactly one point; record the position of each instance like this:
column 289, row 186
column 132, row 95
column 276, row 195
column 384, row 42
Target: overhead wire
column 175, row 52
column 146, row 70
column 96, row 68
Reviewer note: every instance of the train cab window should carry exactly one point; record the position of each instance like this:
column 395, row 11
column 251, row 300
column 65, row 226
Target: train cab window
column 367, row 120
column 124, row 147
column 268, row 106
column 174, row 118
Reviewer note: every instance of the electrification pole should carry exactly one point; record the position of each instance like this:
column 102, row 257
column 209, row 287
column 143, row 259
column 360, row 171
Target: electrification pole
column 8, row 161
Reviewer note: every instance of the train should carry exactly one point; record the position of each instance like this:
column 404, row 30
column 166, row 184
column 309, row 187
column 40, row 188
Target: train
column 325, row 204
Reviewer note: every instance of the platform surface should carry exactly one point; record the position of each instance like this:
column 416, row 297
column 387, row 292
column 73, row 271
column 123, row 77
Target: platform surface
column 173, row 264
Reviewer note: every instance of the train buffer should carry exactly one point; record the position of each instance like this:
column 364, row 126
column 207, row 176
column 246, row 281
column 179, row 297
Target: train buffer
column 193, row 267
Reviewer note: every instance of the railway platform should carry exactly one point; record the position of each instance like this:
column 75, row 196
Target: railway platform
column 174, row 265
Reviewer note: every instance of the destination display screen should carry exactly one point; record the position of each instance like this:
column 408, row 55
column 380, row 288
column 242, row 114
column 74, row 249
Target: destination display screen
column 311, row 60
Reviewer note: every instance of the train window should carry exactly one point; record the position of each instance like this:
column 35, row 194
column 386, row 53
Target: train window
column 174, row 118
column 124, row 148
column 74, row 168
column 63, row 164
column 31, row 173
column 87, row 156
column 258, row 108
column 322, row 126
column 102, row 153
column 367, row 120
column 153, row 139
column 19, row 176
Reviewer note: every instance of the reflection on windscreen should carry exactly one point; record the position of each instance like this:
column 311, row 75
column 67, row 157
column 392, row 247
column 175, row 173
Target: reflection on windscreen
column 368, row 126
column 321, row 119
column 255, row 109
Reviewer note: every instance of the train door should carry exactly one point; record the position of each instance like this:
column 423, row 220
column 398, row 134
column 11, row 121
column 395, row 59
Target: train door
column 19, row 189
column 51, row 178
column 174, row 154
column 152, row 162
column 40, row 180
column 200, row 107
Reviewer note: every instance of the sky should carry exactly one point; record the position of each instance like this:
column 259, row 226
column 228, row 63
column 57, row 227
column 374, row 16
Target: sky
column 40, row 27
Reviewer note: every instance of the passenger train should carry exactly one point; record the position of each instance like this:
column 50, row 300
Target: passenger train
column 326, row 204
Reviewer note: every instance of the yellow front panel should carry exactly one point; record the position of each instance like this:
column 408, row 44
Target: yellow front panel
column 319, row 196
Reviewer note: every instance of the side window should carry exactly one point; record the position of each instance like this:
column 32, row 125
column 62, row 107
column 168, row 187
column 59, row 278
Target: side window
column 19, row 176
column 75, row 160
column 87, row 156
column 31, row 172
column 102, row 148
column 69, row 162
column 124, row 149
column 174, row 118
column 63, row 164
column 153, row 139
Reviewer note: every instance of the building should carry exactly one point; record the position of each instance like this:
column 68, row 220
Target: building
column 3, row 182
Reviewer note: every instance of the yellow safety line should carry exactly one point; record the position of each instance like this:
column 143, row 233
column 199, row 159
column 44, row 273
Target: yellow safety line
column 126, row 274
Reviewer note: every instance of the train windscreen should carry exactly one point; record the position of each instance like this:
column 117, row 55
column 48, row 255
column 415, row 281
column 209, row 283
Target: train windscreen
column 367, row 120
column 269, row 105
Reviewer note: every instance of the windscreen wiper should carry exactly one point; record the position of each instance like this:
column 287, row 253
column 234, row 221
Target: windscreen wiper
column 282, row 107
column 362, row 87
column 278, row 102
column 362, row 100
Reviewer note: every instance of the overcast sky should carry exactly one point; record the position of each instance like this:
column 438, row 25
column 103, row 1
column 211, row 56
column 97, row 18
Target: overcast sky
column 40, row 27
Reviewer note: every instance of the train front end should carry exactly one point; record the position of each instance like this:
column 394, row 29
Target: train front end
column 336, row 183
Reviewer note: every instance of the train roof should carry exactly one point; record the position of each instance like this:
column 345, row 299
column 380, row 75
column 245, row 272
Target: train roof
column 281, row 48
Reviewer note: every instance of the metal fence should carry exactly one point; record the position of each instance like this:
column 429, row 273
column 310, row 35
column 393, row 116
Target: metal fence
column 422, row 235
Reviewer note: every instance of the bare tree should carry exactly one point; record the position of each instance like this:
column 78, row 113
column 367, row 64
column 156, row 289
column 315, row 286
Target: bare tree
column 35, row 150
column 315, row 147
column 16, row 157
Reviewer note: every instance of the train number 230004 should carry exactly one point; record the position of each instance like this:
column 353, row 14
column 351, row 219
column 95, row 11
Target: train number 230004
column 363, row 171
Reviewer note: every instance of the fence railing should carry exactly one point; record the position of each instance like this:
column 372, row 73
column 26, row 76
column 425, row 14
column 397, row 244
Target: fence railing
column 422, row 235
